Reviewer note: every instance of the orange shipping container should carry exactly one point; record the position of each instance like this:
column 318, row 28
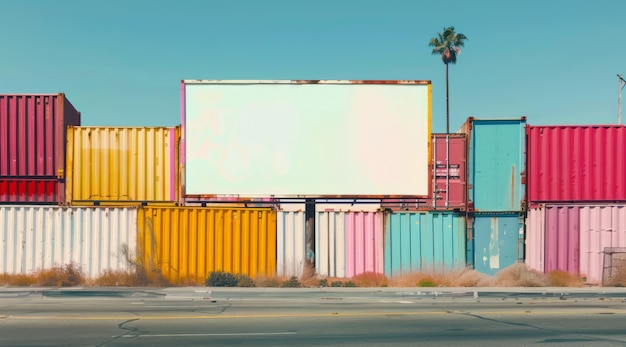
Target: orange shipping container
column 108, row 165
column 184, row 244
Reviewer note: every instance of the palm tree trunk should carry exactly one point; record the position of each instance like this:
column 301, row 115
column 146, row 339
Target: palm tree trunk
column 447, row 104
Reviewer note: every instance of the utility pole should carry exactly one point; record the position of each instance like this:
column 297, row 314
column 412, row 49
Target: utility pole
column 622, row 82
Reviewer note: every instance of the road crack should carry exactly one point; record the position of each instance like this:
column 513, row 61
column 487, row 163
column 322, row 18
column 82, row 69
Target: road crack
column 586, row 337
column 122, row 327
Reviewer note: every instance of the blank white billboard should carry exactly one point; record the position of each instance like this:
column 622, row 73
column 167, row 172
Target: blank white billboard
column 296, row 138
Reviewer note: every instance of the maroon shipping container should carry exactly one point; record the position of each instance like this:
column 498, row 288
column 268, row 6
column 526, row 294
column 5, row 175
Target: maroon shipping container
column 450, row 173
column 30, row 191
column 449, row 177
column 584, row 163
column 33, row 134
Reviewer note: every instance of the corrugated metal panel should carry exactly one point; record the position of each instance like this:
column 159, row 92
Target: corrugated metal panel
column 348, row 243
column 35, row 238
column 496, row 164
column 497, row 241
column 30, row 191
column 330, row 244
column 290, row 243
column 184, row 243
column 600, row 227
column 364, row 242
column 535, row 239
column 562, row 233
column 32, row 134
column 122, row 164
column 424, row 241
column 576, row 163
column 450, row 175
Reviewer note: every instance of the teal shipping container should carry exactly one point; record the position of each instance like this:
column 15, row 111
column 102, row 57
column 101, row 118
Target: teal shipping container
column 497, row 165
column 498, row 241
column 423, row 241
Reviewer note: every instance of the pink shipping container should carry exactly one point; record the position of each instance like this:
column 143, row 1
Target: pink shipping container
column 601, row 228
column 576, row 163
column 553, row 238
column 574, row 238
column 449, row 176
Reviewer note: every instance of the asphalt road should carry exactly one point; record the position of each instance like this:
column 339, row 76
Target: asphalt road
column 357, row 317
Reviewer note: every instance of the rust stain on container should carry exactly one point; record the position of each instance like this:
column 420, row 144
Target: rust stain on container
column 513, row 187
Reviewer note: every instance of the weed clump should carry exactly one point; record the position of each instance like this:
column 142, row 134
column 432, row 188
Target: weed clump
column 518, row 275
column 427, row 282
column 559, row 278
column 370, row 279
column 67, row 275
column 291, row 283
column 245, row 281
column 221, row 279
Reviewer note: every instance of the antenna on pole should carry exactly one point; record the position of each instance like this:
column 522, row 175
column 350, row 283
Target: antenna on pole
column 622, row 83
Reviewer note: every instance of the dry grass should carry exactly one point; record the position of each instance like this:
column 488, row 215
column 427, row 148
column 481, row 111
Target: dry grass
column 467, row 278
column 115, row 278
column 452, row 278
column 559, row 278
column 68, row 275
column 58, row 276
column 121, row 278
column 309, row 278
column 370, row 279
column 518, row 275
column 17, row 280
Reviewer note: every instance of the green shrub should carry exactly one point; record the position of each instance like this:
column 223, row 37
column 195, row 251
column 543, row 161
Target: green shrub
column 323, row 283
column 426, row 283
column 336, row 284
column 291, row 283
column 244, row 281
column 349, row 284
column 221, row 279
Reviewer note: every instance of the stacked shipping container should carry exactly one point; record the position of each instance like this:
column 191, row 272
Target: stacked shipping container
column 423, row 235
column 32, row 147
column 496, row 188
column 577, row 198
column 115, row 165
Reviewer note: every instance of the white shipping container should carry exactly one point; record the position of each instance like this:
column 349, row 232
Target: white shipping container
column 35, row 238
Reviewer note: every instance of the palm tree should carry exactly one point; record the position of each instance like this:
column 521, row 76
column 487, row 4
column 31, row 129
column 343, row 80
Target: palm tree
column 448, row 44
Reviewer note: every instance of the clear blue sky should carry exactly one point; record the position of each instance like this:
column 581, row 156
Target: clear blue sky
column 120, row 62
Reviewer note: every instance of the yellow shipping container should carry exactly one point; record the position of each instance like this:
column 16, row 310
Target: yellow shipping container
column 184, row 244
column 122, row 164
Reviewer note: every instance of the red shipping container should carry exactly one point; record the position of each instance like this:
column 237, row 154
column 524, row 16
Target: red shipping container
column 449, row 171
column 33, row 135
column 584, row 163
column 31, row 191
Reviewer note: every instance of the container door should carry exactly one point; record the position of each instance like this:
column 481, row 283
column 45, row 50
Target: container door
column 496, row 242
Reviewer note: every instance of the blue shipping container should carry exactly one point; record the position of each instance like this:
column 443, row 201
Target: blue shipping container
column 423, row 242
column 496, row 163
column 498, row 241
